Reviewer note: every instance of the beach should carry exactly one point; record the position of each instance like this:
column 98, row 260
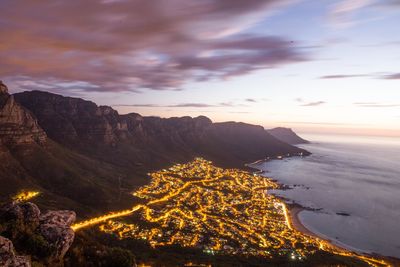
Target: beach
column 296, row 223
column 342, row 193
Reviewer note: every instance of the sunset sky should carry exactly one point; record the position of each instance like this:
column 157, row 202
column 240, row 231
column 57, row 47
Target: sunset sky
column 311, row 65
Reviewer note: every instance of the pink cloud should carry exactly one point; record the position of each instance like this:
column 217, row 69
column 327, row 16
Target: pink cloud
column 132, row 45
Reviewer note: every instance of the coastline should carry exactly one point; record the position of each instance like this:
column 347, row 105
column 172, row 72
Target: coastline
column 294, row 209
column 295, row 220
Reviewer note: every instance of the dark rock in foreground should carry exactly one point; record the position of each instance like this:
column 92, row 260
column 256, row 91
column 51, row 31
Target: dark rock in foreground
column 8, row 257
column 45, row 237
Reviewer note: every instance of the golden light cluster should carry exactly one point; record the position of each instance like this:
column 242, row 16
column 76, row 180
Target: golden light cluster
column 25, row 196
column 225, row 211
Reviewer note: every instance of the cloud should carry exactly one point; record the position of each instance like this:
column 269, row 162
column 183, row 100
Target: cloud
column 117, row 46
column 251, row 100
column 342, row 13
column 393, row 76
column 375, row 105
column 313, row 104
column 182, row 105
column 343, row 76
column 140, row 105
column 345, row 13
column 388, row 4
column 316, row 123
column 192, row 105
column 240, row 112
column 308, row 104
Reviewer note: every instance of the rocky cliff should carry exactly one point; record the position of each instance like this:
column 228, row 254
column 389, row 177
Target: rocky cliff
column 151, row 142
column 17, row 125
column 44, row 237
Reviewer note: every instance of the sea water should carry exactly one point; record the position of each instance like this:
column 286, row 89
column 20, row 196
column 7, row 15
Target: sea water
column 353, row 185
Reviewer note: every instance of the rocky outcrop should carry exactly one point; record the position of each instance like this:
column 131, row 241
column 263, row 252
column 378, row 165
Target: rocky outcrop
column 46, row 237
column 8, row 257
column 3, row 88
column 17, row 125
column 55, row 228
column 287, row 135
column 24, row 218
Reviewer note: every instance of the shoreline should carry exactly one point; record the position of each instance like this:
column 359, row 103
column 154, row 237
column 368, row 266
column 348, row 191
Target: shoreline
column 294, row 210
column 296, row 222
column 337, row 245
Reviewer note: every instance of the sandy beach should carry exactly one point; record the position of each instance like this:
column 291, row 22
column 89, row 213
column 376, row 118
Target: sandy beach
column 293, row 213
column 296, row 223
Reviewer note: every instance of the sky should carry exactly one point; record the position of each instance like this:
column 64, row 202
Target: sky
column 315, row 66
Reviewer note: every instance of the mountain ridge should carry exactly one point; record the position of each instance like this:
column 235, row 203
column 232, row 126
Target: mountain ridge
column 81, row 124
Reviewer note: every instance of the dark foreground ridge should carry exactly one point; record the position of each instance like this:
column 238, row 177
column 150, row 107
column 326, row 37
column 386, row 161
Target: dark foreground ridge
column 45, row 237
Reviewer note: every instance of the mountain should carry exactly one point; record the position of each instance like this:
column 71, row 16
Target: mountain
column 89, row 158
column 135, row 142
column 287, row 135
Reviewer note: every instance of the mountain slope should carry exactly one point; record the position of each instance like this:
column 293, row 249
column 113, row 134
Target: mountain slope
column 31, row 160
column 287, row 135
column 89, row 158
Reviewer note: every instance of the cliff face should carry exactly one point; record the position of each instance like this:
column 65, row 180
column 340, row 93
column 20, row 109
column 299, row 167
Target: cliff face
column 75, row 121
column 151, row 142
column 17, row 125
column 287, row 135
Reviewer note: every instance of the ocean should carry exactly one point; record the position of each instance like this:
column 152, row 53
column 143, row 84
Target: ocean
column 353, row 185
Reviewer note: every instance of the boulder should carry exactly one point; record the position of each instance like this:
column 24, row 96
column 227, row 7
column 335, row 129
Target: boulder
column 24, row 218
column 58, row 217
column 24, row 221
column 55, row 228
column 60, row 238
column 8, row 258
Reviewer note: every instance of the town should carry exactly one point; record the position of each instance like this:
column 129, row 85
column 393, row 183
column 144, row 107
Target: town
column 225, row 211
